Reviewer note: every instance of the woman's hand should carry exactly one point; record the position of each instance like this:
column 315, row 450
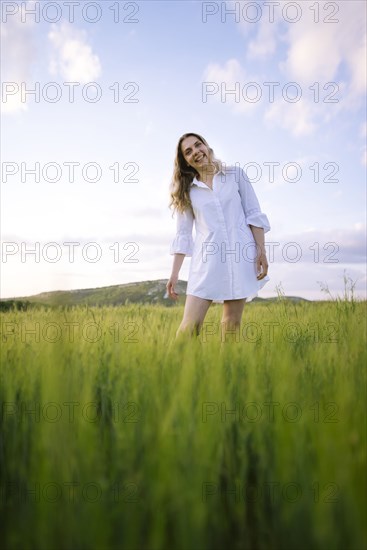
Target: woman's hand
column 170, row 286
column 261, row 265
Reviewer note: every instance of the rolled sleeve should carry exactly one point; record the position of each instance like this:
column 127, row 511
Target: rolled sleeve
column 250, row 204
column 183, row 242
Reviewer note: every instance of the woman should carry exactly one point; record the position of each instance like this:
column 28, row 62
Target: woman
column 228, row 263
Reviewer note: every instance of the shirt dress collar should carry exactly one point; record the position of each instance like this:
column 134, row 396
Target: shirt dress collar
column 201, row 183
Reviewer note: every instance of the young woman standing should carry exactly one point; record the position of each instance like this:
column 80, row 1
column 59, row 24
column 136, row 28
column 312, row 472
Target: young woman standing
column 228, row 257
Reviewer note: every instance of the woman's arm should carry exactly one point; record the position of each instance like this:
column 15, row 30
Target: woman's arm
column 177, row 263
column 250, row 203
column 256, row 220
column 261, row 260
column 181, row 246
column 172, row 281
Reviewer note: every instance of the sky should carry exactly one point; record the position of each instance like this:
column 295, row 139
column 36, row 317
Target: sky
column 95, row 96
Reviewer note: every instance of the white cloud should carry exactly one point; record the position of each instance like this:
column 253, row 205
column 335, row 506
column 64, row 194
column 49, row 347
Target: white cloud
column 357, row 61
column 313, row 54
column 265, row 42
column 315, row 50
column 295, row 117
column 72, row 57
column 226, row 79
column 310, row 51
column 316, row 53
column 18, row 52
column 232, row 71
column 333, row 246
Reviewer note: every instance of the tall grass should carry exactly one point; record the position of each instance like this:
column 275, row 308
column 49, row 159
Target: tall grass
column 125, row 438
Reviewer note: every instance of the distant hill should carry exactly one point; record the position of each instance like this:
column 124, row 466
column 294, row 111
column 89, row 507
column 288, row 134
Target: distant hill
column 144, row 292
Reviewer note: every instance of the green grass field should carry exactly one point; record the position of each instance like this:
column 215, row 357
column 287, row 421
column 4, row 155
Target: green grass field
column 115, row 436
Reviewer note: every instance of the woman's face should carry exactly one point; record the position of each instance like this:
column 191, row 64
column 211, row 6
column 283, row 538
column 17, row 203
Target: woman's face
column 195, row 152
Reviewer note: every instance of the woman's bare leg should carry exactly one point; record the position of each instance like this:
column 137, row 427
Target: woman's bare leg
column 194, row 315
column 231, row 320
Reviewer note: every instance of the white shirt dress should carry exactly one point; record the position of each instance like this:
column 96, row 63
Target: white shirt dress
column 223, row 253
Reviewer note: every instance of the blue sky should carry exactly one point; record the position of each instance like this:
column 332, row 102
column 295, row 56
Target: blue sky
column 170, row 53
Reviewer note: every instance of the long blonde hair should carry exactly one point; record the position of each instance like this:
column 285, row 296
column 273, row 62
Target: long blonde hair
column 183, row 176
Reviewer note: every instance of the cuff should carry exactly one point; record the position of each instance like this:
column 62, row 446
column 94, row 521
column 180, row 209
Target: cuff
column 182, row 244
column 258, row 219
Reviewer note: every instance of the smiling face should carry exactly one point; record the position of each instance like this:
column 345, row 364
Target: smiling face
column 195, row 153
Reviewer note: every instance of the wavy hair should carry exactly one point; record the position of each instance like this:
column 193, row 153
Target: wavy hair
column 183, row 176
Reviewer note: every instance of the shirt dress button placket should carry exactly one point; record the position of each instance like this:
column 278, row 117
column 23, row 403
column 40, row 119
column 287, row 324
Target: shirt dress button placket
column 224, row 239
